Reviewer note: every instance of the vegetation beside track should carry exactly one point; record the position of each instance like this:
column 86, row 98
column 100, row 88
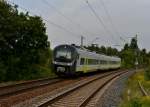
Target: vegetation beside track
column 132, row 96
column 24, row 47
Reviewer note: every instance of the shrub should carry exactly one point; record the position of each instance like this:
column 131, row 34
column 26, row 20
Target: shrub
column 147, row 73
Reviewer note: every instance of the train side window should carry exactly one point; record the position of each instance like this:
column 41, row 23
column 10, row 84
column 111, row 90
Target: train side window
column 87, row 62
column 82, row 60
column 103, row 62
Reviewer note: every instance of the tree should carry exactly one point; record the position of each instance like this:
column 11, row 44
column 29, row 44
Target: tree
column 126, row 46
column 128, row 58
column 22, row 40
column 103, row 49
column 133, row 44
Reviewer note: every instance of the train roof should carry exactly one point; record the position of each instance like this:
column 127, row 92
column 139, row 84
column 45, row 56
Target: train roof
column 90, row 53
column 86, row 52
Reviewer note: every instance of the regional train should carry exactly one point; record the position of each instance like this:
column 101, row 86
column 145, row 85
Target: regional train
column 72, row 60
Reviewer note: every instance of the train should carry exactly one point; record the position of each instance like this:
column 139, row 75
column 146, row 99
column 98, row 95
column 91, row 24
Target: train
column 73, row 60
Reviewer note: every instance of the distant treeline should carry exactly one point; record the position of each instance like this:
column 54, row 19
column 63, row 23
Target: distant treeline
column 128, row 54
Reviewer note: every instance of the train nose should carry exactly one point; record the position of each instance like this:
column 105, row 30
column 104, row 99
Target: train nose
column 61, row 69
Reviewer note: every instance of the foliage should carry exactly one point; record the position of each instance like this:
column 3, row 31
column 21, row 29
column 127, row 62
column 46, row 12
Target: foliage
column 133, row 44
column 147, row 73
column 128, row 58
column 104, row 50
column 23, row 44
column 135, row 97
column 138, row 102
column 129, row 54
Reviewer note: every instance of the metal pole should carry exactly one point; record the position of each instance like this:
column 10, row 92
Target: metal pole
column 136, row 51
column 82, row 41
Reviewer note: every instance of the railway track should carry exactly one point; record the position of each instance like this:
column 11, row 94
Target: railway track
column 80, row 94
column 10, row 90
column 55, row 89
column 14, row 94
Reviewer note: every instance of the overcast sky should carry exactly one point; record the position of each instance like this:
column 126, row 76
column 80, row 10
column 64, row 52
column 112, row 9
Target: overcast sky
column 67, row 20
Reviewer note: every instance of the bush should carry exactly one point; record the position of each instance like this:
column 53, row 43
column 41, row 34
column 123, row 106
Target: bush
column 137, row 102
column 147, row 73
column 23, row 44
column 3, row 71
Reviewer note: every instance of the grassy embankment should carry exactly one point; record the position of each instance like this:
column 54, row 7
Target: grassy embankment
column 132, row 96
column 38, row 73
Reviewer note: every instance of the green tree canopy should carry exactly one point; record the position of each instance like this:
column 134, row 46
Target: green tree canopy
column 22, row 39
column 134, row 44
column 104, row 50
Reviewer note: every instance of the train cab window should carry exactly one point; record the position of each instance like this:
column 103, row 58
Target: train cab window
column 82, row 61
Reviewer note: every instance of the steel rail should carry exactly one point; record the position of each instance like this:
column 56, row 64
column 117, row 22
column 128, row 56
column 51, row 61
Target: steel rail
column 83, row 104
column 10, row 90
column 63, row 94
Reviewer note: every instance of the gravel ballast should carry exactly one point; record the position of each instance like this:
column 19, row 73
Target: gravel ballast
column 112, row 96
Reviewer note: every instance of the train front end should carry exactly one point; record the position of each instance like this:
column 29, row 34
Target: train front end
column 64, row 60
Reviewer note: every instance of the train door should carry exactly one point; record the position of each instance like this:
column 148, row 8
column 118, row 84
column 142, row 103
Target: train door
column 83, row 64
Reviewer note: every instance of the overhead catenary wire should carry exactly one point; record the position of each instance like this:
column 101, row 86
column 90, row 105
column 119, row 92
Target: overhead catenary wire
column 53, row 23
column 102, row 33
column 99, row 18
column 111, row 21
column 47, row 20
column 59, row 12
column 67, row 18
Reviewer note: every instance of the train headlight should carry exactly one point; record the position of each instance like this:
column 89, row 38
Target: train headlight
column 69, row 64
column 54, row 62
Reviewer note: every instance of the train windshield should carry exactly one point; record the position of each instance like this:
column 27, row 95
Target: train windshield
column 64, row 54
